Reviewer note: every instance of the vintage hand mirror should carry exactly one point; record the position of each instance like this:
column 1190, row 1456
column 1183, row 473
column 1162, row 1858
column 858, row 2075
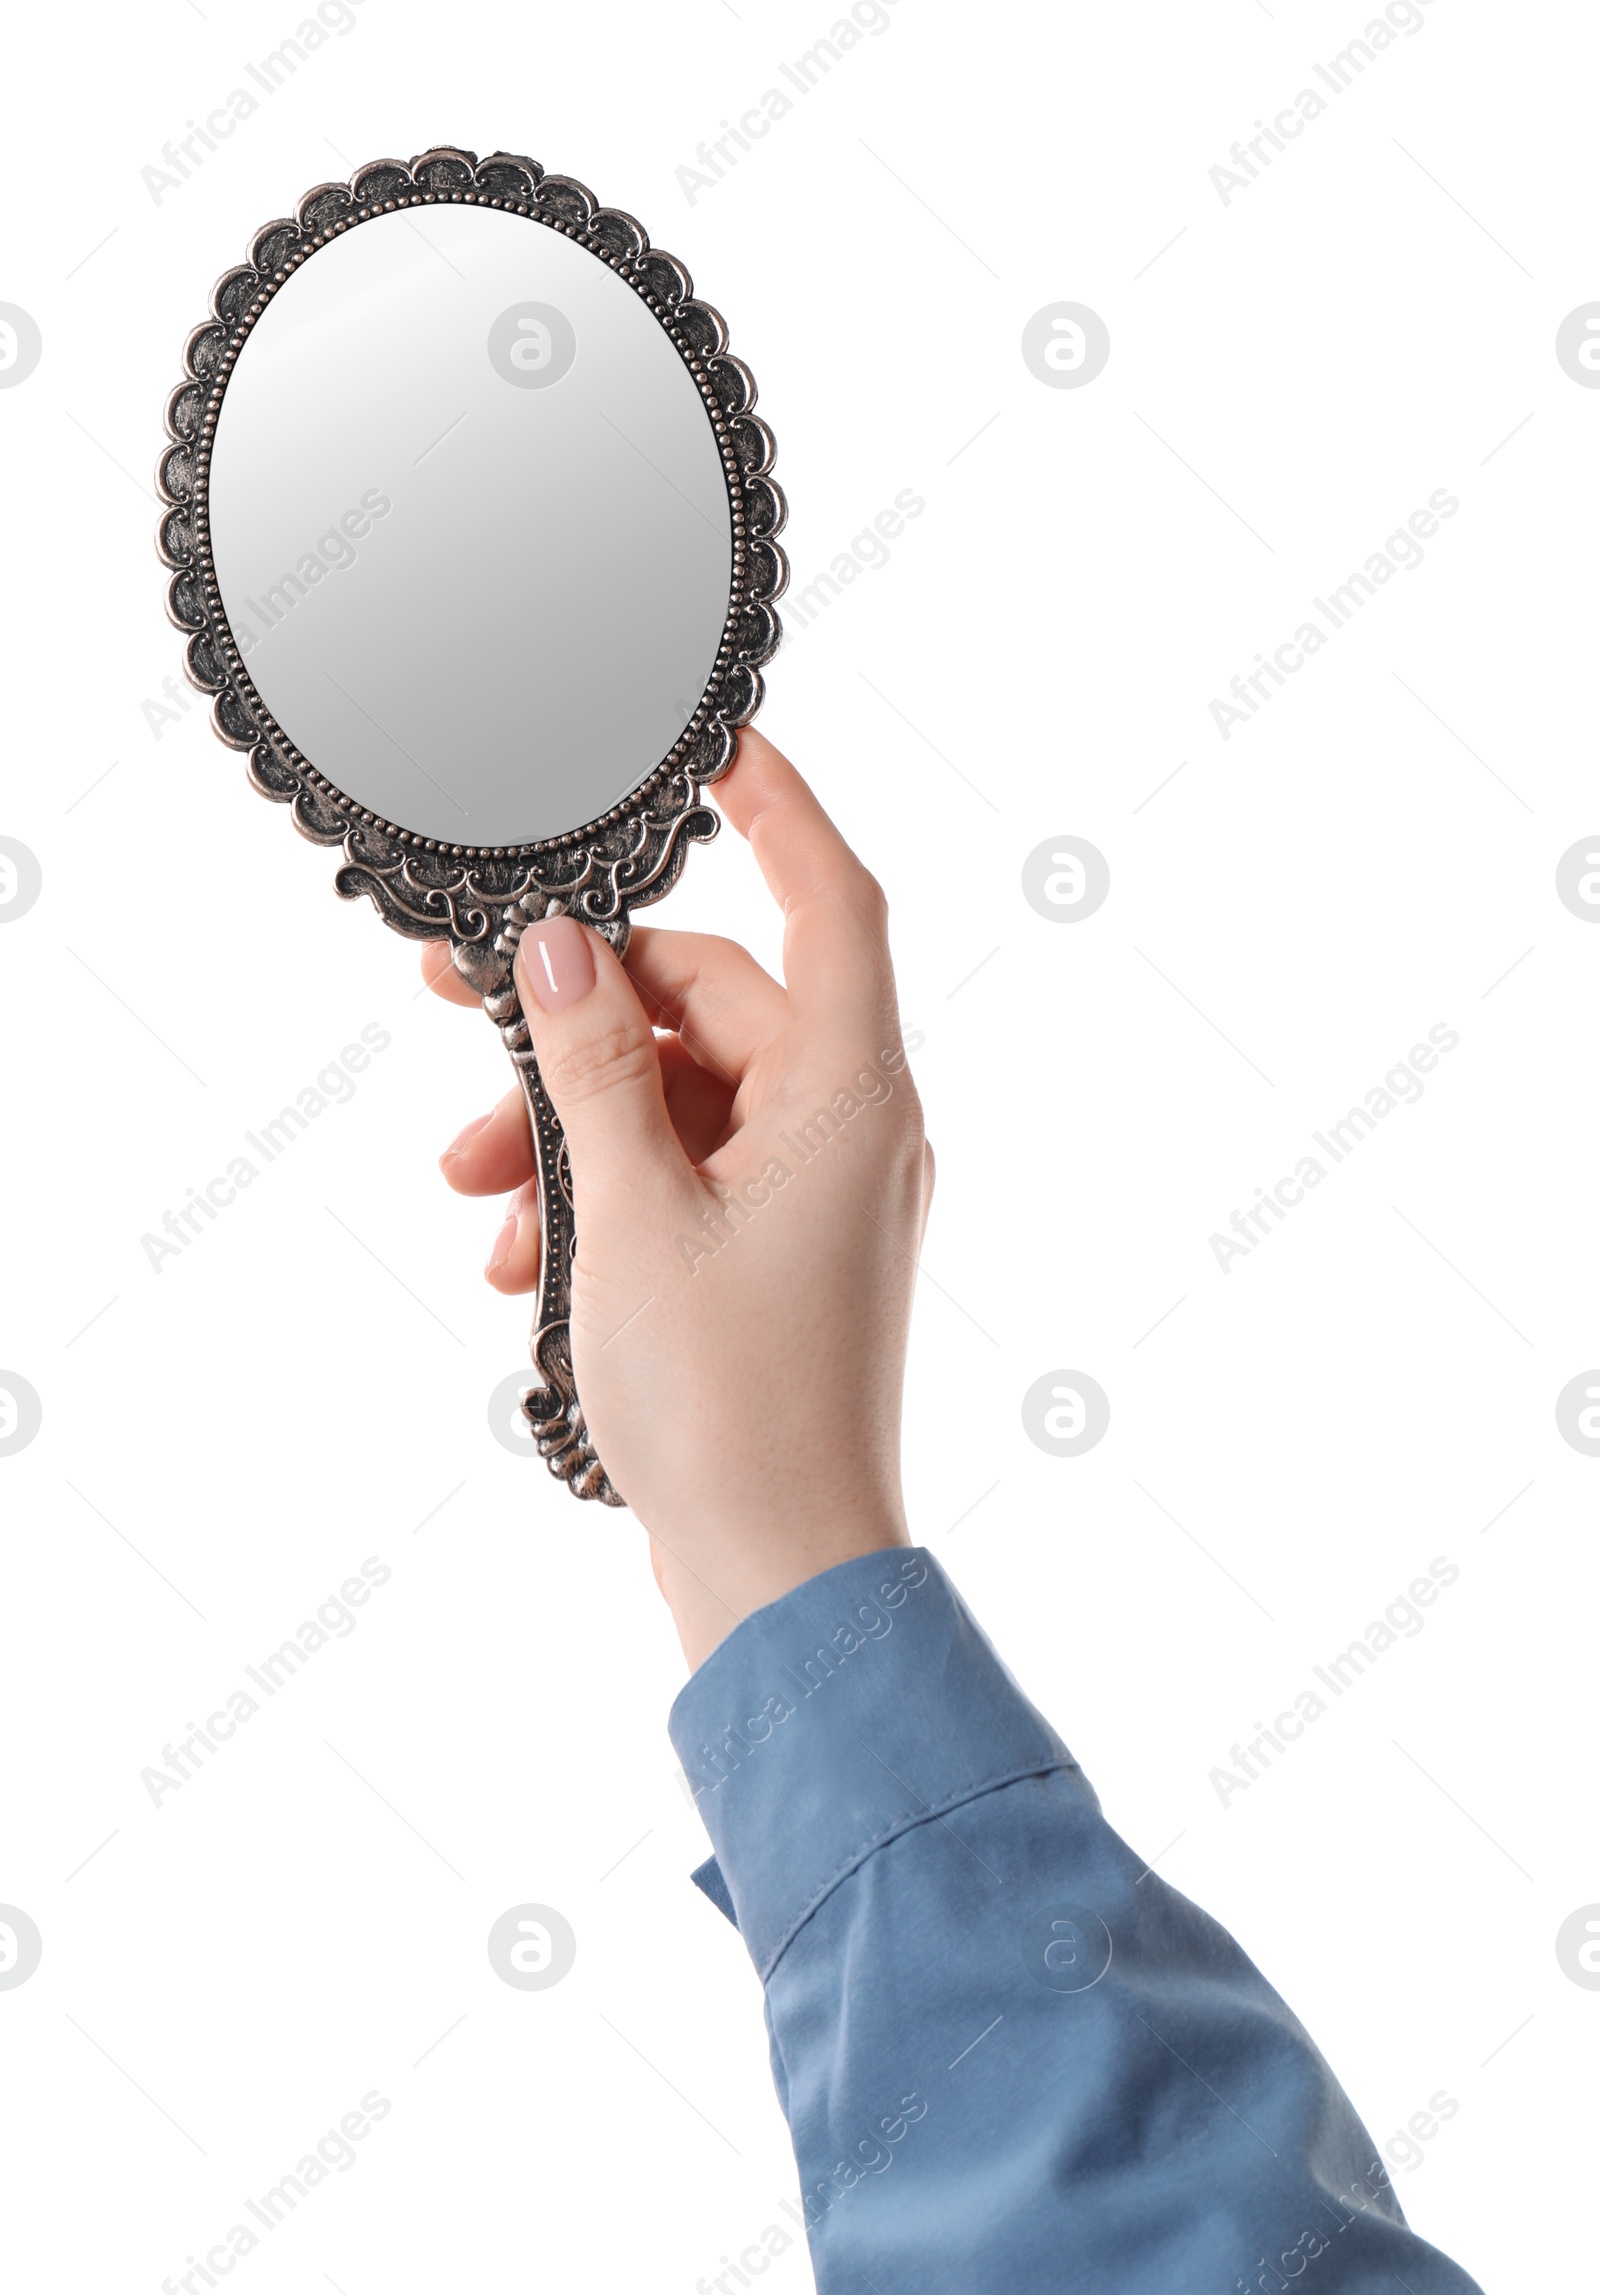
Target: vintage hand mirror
column 473, row 533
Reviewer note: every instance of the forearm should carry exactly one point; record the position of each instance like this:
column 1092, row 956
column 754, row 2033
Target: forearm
column 1011, row 2056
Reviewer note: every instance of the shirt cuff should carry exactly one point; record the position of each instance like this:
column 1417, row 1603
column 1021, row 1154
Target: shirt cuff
column 861, row 1704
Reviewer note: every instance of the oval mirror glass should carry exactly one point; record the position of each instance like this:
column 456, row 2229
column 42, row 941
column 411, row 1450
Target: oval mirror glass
column 471, row 525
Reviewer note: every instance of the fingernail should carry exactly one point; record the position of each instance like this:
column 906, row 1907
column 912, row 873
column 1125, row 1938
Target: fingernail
column 502, row 1245
column 467, row 1132
column 558, row 962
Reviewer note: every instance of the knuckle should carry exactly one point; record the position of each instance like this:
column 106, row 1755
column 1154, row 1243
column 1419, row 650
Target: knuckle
column 613, row 1059
column 911, row 1115
column 873, row 900
column 906, row 1147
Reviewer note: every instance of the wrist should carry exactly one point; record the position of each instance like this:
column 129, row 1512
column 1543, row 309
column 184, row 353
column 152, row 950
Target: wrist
column 713, row 1585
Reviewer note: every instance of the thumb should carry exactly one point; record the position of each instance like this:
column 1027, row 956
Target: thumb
column 597, row 1054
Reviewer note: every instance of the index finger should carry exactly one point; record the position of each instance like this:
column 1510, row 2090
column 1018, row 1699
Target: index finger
column 836, row 960
column 439, row 973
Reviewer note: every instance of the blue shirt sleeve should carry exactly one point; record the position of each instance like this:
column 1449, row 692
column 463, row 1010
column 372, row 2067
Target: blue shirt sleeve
column 1011, row 2056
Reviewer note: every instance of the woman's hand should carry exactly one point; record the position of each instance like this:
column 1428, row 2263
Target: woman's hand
column 750, row 1189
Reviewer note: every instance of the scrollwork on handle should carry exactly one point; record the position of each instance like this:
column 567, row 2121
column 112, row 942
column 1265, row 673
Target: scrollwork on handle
column 554, row 1412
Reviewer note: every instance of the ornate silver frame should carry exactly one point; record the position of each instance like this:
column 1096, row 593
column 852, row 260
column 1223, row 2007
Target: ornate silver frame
column 482, row 898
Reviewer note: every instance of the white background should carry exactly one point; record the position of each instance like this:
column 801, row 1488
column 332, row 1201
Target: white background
column 1291, row 375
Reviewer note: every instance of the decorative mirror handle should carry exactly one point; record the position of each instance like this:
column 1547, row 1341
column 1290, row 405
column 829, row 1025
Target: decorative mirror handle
column 553, row 1410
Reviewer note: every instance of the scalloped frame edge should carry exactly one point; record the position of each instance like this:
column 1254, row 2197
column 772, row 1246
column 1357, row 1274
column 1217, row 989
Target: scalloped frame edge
column 425, row 887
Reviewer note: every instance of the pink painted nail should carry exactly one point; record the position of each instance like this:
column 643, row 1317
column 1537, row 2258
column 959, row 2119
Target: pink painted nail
column 502, row 1245
column 558, row 962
